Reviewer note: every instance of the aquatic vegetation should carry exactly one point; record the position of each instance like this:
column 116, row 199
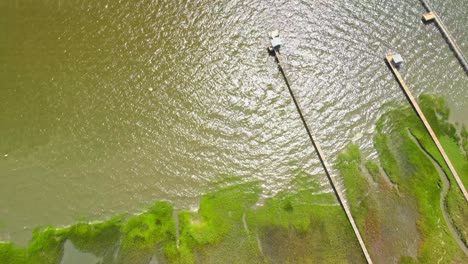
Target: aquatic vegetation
column 372, row 168
column 11, row 254
column 46, row 247
column 381, row 204
column 304, row 224
column 143, row 233
column 99, row 238
column 217, row 229
column 454, row 141
column 300, row 225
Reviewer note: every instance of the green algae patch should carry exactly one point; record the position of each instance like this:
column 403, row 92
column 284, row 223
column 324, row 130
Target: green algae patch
column 299, row 226
column 143, row 233
column 217, row 231
column 9, row 253
column 464, row 141
column 396, row 205
column 46, row 245
column 453, row 140
column 293, row 209
column 95, row 237
column 220, row 210
column 349, row 162
column 409, row 193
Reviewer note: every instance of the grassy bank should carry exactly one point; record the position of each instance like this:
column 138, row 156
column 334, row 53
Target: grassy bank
column 398, row 206
column 395, row 202
column 303, row 225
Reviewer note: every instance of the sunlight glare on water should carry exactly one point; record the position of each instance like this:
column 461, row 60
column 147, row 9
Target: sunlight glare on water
column 107, row 106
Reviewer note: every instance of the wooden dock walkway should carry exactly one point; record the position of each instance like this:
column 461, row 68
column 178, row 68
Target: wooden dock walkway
column 433, row 16
column 419, row 112
column 324, row 163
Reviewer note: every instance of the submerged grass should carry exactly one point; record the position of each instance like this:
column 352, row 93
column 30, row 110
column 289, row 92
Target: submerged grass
column 383, row 210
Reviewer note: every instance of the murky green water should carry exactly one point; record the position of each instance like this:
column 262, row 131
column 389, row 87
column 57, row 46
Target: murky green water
column 106, row 106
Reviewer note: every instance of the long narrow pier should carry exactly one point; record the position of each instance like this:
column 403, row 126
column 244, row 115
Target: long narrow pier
column 324, row 163
column 433, row 16
column 421, row 115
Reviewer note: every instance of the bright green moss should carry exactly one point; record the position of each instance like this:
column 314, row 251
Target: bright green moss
column 227, row 227
column 46, row 245
column 91, row 237
column 11, row 254
column 219, row 218
column 142, row 234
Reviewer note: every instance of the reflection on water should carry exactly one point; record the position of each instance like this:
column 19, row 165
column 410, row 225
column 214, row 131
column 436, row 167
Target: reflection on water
column 106, row 106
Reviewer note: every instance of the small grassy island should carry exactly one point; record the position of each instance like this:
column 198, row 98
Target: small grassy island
column 401, row 205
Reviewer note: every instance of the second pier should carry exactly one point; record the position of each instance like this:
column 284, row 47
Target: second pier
column 433, row 16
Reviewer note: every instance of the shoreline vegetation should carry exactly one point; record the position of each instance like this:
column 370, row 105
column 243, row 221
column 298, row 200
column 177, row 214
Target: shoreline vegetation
column 396, row 203
column 296, row 227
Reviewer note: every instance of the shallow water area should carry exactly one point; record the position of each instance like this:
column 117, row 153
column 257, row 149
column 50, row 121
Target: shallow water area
column 73, row 256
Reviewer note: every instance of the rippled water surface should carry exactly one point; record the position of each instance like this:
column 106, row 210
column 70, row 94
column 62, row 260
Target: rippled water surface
column 106, row 106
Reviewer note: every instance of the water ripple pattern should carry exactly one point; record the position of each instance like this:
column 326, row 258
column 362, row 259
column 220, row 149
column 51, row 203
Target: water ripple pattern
column 107, row 106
